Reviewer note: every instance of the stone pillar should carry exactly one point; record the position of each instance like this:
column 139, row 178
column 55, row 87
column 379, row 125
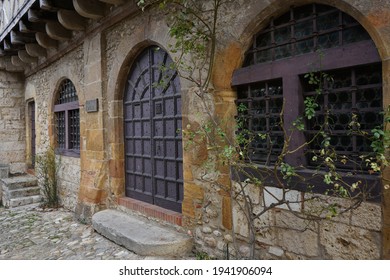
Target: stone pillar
column 93, row 162
column 12, row 122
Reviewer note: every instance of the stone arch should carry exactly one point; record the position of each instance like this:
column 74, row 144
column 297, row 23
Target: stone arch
column 366, row 15
column 55, row 83
column 373, row 19
column 122, row 59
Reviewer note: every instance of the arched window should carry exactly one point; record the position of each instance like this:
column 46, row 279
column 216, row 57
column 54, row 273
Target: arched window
column 273, row 80
column 67, row 119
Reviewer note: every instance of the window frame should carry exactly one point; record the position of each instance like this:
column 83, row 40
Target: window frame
column 66, row 108
column 290, row 70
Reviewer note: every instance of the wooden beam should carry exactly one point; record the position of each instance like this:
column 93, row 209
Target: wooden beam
column 2, row 52
column 3, row 63
column 7, row 45
column 36, row 50
column 71, row 20
column 113, row 2
column 8, row 48
column 26, row 58
column 18, row 38
column 16, row 61
column 31, row 27
column 40, row 16
column 57, row 32
column 9, row 67
column 55, row 5
column 92, row 9
column 45, row 41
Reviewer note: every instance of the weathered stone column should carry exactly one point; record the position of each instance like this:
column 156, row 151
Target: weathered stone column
column 92, row 152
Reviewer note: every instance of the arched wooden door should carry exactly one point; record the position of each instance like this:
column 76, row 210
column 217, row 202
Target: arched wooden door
column 152, row 128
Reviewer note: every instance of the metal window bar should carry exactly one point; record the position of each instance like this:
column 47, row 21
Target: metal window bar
column 74, row 129
column 355, row 94
column 67, row 93
column 302, row 30
column 67, row 117
column 264, row 102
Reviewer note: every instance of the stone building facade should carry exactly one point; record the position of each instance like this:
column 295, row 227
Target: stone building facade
column 97, row 45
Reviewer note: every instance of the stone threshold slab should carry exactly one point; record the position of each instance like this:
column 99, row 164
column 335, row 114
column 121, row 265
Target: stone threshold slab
column 141, row 236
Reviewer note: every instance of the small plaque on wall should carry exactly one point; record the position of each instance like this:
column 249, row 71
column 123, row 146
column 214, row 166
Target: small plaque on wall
column 92, row 105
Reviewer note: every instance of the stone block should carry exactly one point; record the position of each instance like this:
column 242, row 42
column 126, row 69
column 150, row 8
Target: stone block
column 240, row 222
column 286, row 219
column 115, row 128
column 340, row 241
column 115, row 109
column 265, row 226
column 117, row 151
column 93, row 72
column 96, row 156
column 273, row 195
column 116, row 168
column 227, row 218
column 277, row 251
column 368, row 216
column 4, row 171
column 91, row 195
column 95, row 140
column 193, row 199
column 224, row 67
column 318, row 205
column 298, row 242
column 117, row 186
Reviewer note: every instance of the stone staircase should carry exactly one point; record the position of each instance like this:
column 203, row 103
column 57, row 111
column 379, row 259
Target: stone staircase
column 19, row 190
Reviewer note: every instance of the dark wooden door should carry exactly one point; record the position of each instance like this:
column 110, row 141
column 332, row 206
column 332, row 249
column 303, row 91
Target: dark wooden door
column 152, row 125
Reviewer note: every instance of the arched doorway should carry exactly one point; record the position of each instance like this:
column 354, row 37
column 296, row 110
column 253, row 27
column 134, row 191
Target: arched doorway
column 152, row 131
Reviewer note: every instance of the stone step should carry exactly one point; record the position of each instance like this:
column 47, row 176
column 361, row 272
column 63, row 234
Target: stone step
column 144, row 237
column 28, row 191
column 19, row 182
column 21, row 201
column 4, row 171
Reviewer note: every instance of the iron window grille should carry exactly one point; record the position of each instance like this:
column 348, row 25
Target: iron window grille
column 353, row 97
column 286, row 50
column 304, row 30
column 67, row 119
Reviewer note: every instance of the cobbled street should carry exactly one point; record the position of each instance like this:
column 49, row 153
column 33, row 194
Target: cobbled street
column 30, row 233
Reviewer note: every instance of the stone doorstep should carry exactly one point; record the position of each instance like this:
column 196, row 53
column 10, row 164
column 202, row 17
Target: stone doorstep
column 141, row 236
column 21, row 201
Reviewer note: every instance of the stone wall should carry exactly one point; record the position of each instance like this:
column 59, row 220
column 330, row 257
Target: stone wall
column 42, row 88
column 281, row 234
column 208, row 210
column 99, row 66
column 12, row 120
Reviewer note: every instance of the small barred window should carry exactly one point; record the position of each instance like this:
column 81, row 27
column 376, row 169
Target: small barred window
column 67, row 119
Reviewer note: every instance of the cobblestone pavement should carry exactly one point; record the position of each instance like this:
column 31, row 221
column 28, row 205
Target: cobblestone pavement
column 31, row 233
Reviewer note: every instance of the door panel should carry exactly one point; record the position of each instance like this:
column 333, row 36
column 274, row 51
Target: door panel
column 152, row 112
